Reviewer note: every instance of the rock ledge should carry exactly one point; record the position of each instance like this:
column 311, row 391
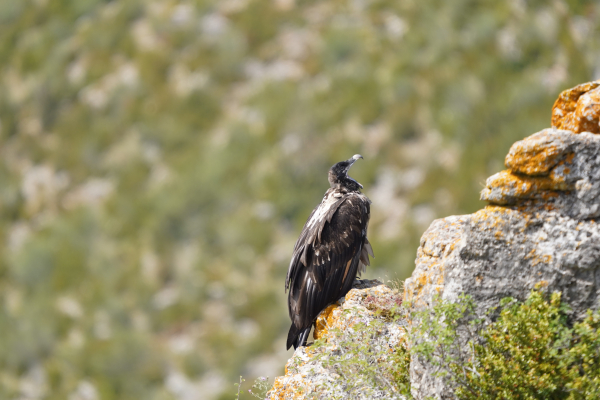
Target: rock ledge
column 305, row 374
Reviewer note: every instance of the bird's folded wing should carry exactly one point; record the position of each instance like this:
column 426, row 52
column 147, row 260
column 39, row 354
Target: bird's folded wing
column 321, row 270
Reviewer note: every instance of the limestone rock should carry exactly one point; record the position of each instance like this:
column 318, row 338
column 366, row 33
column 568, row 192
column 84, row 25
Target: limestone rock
column 539, row 228
column 555, row 169
column 307, row 377
column 578, row 109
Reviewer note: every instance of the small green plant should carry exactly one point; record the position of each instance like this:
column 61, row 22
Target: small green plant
column 444, row 335
column 261, row 386
column 239, row 387
column 364, row 364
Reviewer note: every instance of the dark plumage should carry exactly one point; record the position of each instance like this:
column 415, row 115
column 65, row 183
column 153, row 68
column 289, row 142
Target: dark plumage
column 330, row 252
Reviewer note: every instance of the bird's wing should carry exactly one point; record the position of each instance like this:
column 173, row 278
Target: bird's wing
column 311, row 233
column 325, row 263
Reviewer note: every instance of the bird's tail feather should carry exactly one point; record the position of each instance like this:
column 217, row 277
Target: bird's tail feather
column 297, row 337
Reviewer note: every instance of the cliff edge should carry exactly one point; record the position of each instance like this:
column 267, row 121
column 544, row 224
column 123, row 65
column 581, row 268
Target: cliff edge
column 539, row 229
column 359, row 348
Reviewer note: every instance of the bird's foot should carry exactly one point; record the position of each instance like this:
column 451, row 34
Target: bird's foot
column 365, row 283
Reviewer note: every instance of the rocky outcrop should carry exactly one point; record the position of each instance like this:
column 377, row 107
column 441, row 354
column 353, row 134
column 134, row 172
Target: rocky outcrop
column 308, row 374
column 538, row 229
column 552, row 170
column 578, row 109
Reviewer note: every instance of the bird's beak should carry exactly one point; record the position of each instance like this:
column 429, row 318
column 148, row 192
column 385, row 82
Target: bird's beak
column 352, row 161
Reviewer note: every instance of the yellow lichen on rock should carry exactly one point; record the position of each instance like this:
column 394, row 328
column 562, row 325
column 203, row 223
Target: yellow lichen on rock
column 535, row 155
column 578, row 109
column 491, row 217
column 438, row 244
column 285, row 391
column 325, row 320
column 423, row 279
column 506, row 187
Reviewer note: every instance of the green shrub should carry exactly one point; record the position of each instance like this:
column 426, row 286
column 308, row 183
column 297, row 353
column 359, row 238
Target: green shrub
column 529, row 352
column 441, row 327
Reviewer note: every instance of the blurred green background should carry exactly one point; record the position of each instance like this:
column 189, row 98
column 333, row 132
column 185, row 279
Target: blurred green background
column 159, row 158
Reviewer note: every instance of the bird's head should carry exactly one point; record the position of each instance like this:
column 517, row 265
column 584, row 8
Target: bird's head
column 338, row 175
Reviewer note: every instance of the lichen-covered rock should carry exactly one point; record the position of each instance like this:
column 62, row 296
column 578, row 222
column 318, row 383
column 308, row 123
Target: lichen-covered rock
column 578, row 109
column 537, row 154
column 555, row 169
column 538, row 229
column 307, row 376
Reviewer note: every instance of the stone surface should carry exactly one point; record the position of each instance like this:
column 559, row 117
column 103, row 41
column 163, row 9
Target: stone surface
column 552, row 169
column 539, row 228
column 578, row 109
column 306, row 377
column 499, row 252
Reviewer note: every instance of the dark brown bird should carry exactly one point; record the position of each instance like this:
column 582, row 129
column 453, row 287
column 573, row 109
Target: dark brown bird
column 330, row 252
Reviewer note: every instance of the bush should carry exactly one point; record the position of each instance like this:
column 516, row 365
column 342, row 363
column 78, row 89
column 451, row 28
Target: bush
column 529, row 352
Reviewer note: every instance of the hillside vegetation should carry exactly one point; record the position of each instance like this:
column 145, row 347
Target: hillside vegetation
column 159, row 158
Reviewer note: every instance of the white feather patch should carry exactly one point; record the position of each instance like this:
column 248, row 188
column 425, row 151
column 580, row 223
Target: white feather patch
column 322, row 210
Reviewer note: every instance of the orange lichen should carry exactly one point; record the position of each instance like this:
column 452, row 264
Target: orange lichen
column 545, row 259
column 440, row 280
column 491, row 208
column 293, row 390
column 423, row 279
column 498, row 219
column 505, row 187
column 541, row 284
column 562, row 169
column 413, row 289
column 578, row 109
column 325, row 320
column 525, row 185
column 538, row 259
column 491, row 217
column 532, row 159
column 437, row 246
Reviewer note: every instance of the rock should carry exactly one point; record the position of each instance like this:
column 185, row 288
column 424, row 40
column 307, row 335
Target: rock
column 538, row 229
column 578, row 108
column 555, row 169
column 306, row 376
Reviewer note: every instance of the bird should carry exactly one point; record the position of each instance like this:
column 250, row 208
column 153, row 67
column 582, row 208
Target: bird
column 330, row 253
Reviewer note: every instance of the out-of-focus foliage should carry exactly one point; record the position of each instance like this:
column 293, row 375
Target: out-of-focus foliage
column 158, row 159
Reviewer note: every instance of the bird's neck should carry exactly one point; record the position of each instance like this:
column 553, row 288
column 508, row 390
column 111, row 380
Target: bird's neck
column 345, row 187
